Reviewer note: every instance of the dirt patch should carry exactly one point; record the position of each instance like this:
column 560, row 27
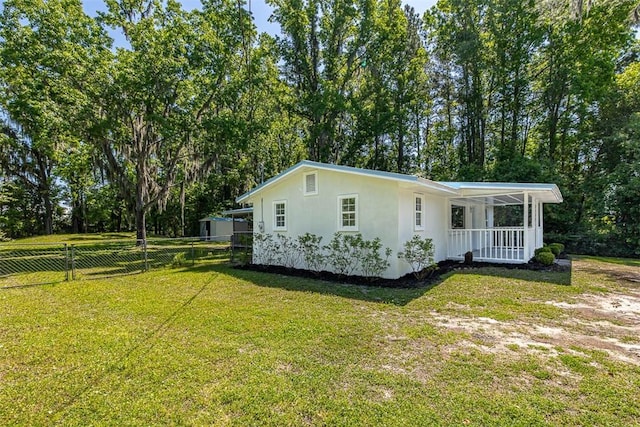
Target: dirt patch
column 493, row 336
column 607, row 322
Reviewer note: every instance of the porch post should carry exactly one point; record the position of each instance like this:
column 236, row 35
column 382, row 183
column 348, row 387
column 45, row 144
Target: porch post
column 489, row 216
column 534, row 220
column 525, row 222
column 541, row 208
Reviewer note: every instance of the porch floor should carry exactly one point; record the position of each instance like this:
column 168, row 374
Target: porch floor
column 496, row 254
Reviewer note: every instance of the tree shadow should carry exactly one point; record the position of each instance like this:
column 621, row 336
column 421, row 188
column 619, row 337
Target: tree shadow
column 364, row 292
column 139, row 349
column 402, row 294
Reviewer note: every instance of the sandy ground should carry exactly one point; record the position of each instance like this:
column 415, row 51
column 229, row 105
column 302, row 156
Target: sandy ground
column 607, row 322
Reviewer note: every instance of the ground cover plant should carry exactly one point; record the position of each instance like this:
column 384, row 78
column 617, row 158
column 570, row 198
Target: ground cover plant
column 214, row 345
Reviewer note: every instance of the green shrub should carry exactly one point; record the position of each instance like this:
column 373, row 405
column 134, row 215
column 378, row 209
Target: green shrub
column 347, row 253
column 311, row 250
column 342, row 252
column 556, row 248
column 543, row 249
column 266, row 250
column 545, row 258
column 419, row 254
column 372, row 264
column 179, row 260
column 289, row 251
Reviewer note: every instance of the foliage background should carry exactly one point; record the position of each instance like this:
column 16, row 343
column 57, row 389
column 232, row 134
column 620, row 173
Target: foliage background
column 199, row 106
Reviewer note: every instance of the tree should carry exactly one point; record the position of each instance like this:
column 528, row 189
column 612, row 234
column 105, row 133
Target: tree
column 161, row 100
column 390, row 101
column 48, row 51
column 457, row 31
column 322, row 48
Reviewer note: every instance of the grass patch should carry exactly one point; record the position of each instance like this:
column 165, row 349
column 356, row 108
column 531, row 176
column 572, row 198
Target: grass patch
column 631, row 262
column 213, row 345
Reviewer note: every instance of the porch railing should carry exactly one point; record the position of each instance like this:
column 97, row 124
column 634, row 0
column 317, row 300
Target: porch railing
column 504, row 244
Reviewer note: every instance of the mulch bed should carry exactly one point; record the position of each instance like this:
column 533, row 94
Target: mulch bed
column 407, row 281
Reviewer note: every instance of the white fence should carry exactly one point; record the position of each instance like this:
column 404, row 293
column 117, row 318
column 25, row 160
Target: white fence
column 504, row 244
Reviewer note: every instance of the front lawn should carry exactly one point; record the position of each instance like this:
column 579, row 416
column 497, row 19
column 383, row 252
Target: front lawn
column 213, row 345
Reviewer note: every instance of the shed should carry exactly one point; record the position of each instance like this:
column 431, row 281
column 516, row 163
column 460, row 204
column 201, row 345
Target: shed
column 219, row 228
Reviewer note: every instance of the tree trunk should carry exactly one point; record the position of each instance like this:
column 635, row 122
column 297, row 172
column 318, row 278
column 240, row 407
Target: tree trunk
column 182, row 203
column 141, row 229
column 48, row 213
column 400, row 148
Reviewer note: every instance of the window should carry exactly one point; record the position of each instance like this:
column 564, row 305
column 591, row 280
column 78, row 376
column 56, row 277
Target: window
column 280, row 215
column 457, row 216
column 310, row 183
column 348, row 213
column 418, row 216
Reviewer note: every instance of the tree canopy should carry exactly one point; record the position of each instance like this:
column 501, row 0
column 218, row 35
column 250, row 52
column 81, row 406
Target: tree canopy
column 198, row 107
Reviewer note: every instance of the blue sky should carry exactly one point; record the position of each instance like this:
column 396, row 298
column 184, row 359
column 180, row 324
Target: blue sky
column 260, row 10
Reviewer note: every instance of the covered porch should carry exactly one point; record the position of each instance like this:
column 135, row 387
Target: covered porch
column 498, row 222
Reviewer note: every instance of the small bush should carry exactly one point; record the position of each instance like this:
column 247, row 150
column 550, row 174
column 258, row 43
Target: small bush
column 179, row 260
column 468, row 258
column 266, row 250
column 342, row 252
column 556, row 248
column 419, row 254
column 289, row 251
column 311, row 250
column 372, row 264
column 346, row 253
column 543, row 249
column 545, row 258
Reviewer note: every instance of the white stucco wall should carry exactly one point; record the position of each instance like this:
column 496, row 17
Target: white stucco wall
column 385, row 210
column 435, row 223
column 318, row 214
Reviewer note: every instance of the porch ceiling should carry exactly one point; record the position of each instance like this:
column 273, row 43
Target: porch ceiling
column 499, row 194
column 495, row 200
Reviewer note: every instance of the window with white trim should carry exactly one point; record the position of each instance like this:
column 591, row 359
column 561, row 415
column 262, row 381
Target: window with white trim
column 418, row 212
column 348, row 212
column 280, row 215
column 310, row 183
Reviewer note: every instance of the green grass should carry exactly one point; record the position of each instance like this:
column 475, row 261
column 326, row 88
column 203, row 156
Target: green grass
column 620, row 261
column 210, row 345
column 50, row 259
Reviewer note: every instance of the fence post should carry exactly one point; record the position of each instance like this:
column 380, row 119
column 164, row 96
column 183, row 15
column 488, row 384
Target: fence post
column 193, row 255
column 73, row 262
column 66, row 262
column 146, row 260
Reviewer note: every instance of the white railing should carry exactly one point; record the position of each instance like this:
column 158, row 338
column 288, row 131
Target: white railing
column 504, row 244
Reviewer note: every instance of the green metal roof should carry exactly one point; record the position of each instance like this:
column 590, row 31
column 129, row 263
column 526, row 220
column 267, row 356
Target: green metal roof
column 549, row 193
column 351, row 170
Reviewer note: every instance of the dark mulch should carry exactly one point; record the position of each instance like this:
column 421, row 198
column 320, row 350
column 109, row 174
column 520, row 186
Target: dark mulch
column 407, row 281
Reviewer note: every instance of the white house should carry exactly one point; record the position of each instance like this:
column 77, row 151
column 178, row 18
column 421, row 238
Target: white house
column 498, row 222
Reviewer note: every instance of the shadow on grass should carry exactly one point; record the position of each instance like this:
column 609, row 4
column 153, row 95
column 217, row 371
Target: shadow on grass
column 371, row 293
column 143, row 346
column 375, row 293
